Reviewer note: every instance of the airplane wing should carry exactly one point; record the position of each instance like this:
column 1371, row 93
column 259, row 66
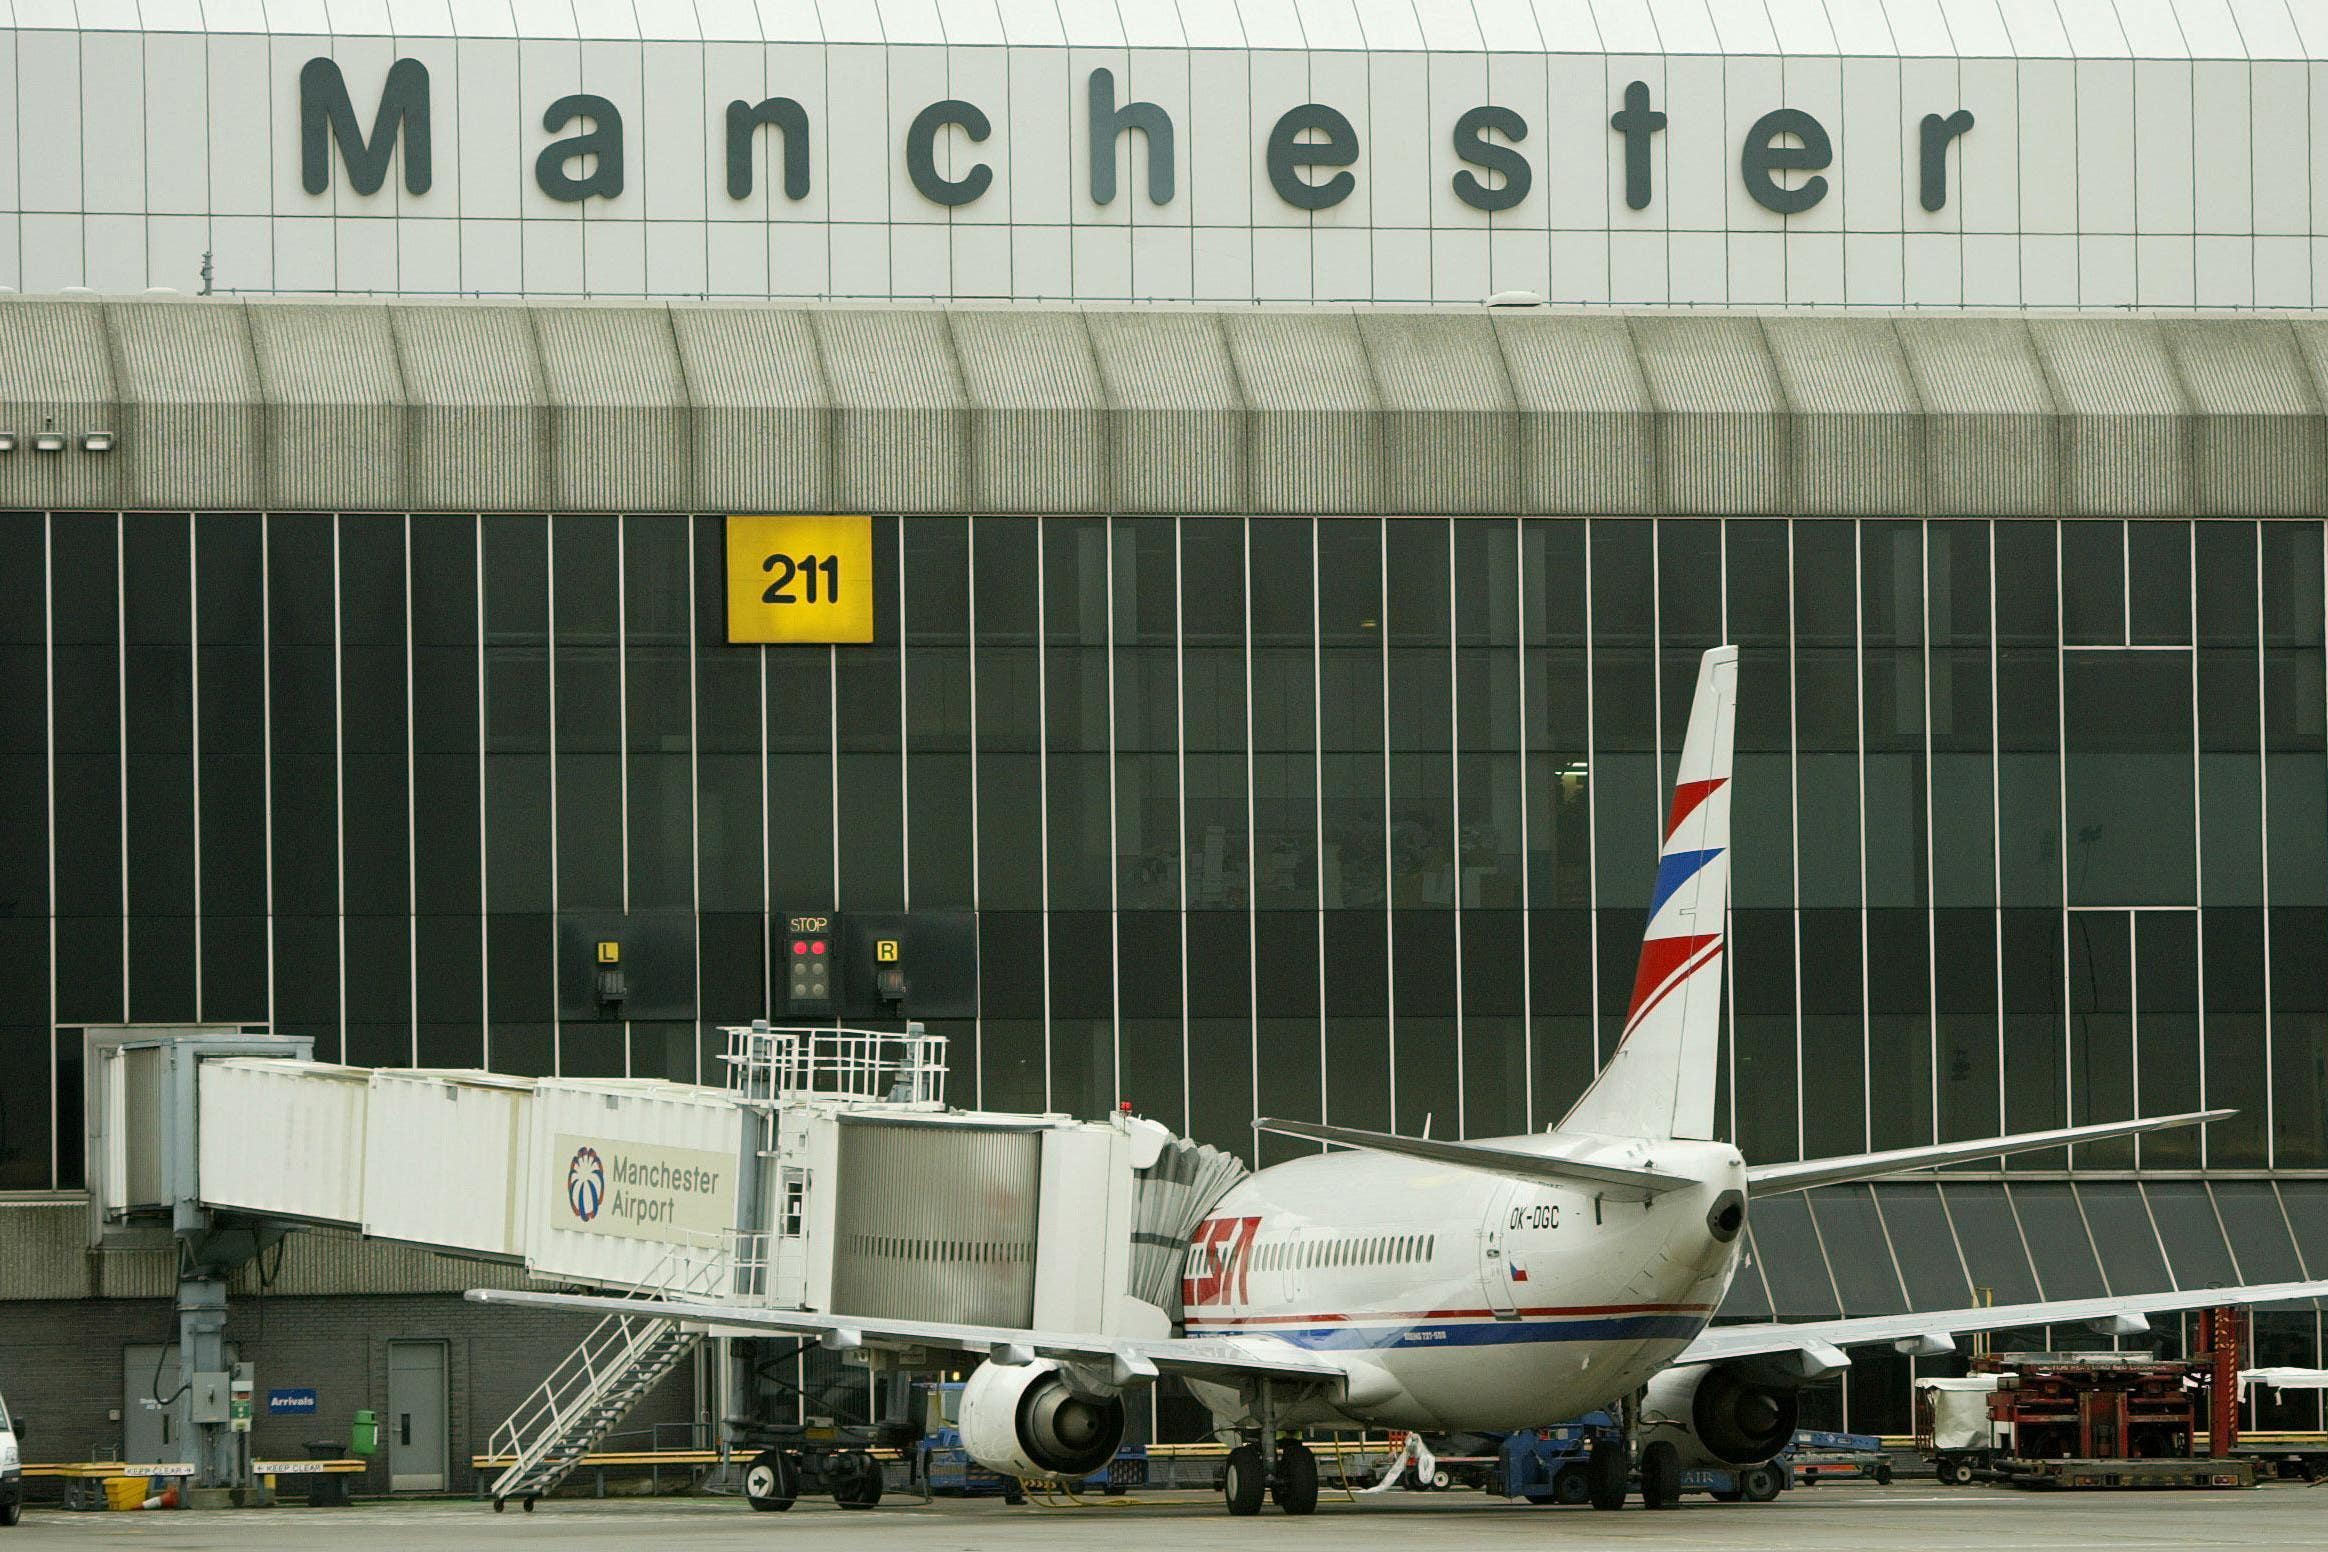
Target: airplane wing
column 1812, row 1348
column 1128, row 1359
column 1552, row 1168
column 1772, row 1179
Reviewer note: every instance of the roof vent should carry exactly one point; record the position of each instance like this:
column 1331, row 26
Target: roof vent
column 1515, row 299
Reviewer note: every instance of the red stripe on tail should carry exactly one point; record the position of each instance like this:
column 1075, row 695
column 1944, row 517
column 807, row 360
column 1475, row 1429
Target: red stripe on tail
column 1687, row 795
column 1660, row 957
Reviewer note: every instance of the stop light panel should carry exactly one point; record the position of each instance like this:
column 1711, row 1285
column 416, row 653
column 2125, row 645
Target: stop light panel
column 810, row 986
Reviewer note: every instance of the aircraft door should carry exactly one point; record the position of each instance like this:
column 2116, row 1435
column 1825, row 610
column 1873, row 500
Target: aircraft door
column 1499, row 1272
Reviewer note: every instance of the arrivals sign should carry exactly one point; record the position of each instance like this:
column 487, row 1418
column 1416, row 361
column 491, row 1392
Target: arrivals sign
column 800, row 579
column 1307, row 151
column 635, row 1190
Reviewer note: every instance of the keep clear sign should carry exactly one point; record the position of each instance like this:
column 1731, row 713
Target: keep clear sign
column 800, row 579
column 637, row 1190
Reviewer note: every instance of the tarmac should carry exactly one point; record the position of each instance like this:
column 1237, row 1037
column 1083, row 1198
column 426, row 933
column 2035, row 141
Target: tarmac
column 1906, row 1517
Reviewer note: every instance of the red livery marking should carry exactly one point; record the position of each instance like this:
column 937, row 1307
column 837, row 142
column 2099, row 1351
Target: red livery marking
column 1220, row 1255
column 1641, row 1010
column 1687, row 795
column 1660, row 959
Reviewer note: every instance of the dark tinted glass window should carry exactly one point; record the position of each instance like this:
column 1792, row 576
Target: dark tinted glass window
column 1857, row 1250
column 1926, row 1247
column 2258, row 1230
column 2035, row 1085
column 2058, row 1238
column 2131, row 803
column 2125, row 1235
column 2194, row 1240
column 2158, row 582
column 1991, row 1239
column 2093, row 584
column 2101, row 1028
column 1787, row 1248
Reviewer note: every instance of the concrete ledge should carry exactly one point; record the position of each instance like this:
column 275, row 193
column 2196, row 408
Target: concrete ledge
column 476, row 407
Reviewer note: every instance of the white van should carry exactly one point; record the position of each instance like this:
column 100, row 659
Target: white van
column 11, row 1469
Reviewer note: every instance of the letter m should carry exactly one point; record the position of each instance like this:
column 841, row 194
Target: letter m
column 325, row 114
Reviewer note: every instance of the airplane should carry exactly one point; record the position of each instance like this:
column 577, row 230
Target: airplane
column 1448, row 1286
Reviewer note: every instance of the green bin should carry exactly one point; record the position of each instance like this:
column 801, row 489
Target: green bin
column 366, row 1435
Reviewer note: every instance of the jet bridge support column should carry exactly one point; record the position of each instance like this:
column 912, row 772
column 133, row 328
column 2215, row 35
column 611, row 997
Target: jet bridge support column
column 140, row 1114
column 204, row 1382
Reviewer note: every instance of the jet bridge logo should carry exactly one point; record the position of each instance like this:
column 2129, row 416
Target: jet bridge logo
column 586, row 1184
column 638, row 1190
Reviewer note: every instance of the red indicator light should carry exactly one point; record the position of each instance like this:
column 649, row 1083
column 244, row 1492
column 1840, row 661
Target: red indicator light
column 817, row 947
column 799, row 948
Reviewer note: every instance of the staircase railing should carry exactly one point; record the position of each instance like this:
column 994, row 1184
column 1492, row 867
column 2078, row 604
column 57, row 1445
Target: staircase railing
column 614, row 1348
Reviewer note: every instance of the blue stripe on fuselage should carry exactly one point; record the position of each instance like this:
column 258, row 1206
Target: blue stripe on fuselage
column 1343, row 1338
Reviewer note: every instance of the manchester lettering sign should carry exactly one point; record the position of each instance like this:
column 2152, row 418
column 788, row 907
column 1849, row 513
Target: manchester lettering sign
column 631, row 1190
column 1785, row 160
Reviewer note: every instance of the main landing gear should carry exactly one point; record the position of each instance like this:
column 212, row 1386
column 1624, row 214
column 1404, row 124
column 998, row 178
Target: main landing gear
column 1264, row 1465
column 1290, row 1481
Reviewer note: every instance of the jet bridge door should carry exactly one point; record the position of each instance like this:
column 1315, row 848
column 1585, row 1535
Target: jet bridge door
column 937, row 1221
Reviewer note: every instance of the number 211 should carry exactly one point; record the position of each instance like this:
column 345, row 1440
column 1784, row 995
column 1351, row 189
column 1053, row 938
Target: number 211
column 807, row 566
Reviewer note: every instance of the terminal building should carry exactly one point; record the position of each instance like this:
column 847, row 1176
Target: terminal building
column 1290, row 455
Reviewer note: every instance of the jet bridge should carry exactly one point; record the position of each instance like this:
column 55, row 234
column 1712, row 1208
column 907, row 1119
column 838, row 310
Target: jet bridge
column 828, row 1173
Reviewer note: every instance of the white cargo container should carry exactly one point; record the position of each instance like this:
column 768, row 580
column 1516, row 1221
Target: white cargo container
column 446, row 1155
column 284, row 1137
column 620, row 1174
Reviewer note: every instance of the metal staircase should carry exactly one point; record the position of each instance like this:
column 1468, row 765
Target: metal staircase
column 625, row 1356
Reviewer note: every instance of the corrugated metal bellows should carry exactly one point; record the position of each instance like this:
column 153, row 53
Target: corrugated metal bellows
column 1169, row 1199
column 936, row 1222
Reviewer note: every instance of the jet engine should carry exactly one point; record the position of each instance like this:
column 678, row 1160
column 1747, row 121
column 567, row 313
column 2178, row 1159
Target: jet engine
column 1025, row 1420
column 1718, row 1415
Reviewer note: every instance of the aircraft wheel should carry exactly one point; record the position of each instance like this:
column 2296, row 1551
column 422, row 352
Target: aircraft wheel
column 1758, row 1484
column 1606, row 1477
column 770, row 1483
column 1296, row 1488
column 1244, row 1480
column 1660, row 1476
column 1572, row 1484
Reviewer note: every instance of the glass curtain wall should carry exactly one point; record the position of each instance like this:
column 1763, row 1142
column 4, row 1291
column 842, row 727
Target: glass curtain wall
column 1342, row 817
column 1347, row 818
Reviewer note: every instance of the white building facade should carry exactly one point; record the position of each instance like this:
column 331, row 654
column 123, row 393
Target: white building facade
column 1866, row 153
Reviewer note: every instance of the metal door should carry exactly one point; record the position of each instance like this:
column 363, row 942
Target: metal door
column 152, row 1412
column 416, row 1416
column 1497, row 1269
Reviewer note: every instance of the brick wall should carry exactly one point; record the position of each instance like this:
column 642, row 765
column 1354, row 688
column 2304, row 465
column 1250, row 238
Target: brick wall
column 61, row 1365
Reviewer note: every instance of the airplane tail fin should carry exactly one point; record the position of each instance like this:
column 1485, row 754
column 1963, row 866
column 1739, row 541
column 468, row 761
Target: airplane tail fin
column 1660, row 1081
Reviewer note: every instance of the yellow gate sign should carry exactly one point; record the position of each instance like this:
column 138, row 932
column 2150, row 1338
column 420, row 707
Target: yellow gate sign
column 800, row 578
